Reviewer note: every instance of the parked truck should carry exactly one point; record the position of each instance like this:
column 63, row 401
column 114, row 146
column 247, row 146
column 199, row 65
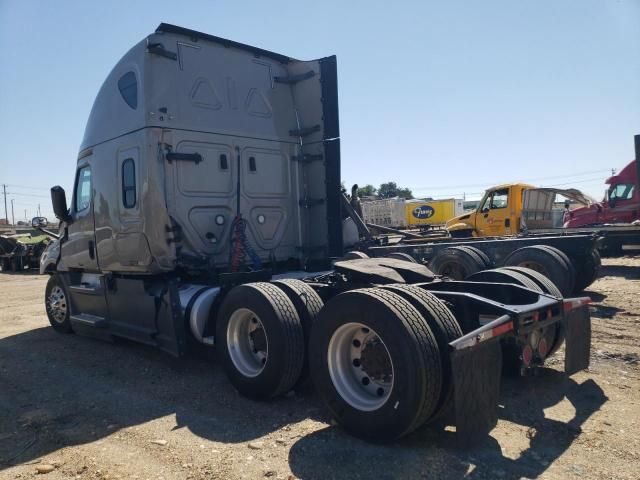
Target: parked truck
column 518, row 208
column 621, row 203
column 207, row 210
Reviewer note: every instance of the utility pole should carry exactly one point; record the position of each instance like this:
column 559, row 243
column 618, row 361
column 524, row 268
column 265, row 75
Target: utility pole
column 39, row 210
column 13, row 220
column 25, row 214
column 4, row 191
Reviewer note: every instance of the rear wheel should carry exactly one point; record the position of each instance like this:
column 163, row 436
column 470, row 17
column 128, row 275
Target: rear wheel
column 504, row 276
column 56, row 301
column 355, row 255
column 547, row 262
column 308, row 305
column 551, row 335
column 543, row 282
column 456, row 263
column 479, row 253
column 375, row 363
column 402, row 256
column 587, row 270
column 260, row 340
column 445, row 329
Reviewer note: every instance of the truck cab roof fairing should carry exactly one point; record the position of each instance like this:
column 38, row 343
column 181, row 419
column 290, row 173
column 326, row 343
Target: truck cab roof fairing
column 175, row 55
column 113, row 113
column 194, row 35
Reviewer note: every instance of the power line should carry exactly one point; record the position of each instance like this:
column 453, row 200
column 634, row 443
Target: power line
column 578, row 174
column 27, row 194
column 26, row 187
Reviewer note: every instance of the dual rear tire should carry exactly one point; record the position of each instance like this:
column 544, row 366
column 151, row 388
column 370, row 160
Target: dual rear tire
column 262, row 334
column 378, row 357
column 377, row 363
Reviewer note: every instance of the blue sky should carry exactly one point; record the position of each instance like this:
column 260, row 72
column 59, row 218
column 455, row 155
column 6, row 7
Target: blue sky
column 444, row 97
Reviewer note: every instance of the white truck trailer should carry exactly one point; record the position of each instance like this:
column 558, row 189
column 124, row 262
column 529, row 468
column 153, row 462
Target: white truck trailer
column 208, row 184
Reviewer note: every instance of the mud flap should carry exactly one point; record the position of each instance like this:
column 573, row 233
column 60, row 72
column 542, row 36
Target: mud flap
column 577, row 325
column 476, row 384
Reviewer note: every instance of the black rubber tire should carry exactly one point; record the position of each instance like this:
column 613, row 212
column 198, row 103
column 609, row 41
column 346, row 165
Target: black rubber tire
column 565, row 258
column 587, row 270
column 547, row 286
column 284, row 333
column 4, row 265
column 547, row 262
column 479, row 253
column 308, row 305
column 414, row 353
column 511, row 360
column 355, row 255
column 445, row 328
column 504, row 276
column 543, row 282
column 402, row 256
column 65, row 325
column 456, row 263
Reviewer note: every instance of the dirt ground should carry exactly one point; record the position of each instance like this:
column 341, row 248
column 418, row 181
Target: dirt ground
column 92, row 410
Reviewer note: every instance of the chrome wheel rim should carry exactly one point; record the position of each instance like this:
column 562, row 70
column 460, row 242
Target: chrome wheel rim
column 360, row 366
column 57, row 304
column 247, row 342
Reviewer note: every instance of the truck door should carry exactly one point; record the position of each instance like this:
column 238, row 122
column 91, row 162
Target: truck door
column 79, row 250
column 622, row 205
column 493, row 217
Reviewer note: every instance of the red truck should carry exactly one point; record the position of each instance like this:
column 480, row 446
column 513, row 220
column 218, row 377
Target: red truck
column 620, row 205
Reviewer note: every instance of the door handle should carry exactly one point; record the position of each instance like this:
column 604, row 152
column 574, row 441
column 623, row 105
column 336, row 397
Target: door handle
column 92, row 251
column 185, row 157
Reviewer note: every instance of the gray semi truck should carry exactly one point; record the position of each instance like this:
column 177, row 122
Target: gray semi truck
column 207, row 213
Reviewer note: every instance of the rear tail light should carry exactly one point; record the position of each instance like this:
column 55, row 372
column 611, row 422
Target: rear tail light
column 527, row 355
column 543, row 348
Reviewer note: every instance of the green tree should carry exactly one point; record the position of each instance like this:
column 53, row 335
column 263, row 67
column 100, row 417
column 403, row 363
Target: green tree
column 405, row 193
column 367, row 191
column 388, row 190
column 391, row 189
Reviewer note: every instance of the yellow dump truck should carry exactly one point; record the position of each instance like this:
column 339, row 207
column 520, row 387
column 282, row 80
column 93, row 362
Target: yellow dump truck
column 509, row 208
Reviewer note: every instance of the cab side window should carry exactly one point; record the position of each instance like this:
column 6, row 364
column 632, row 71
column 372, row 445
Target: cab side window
column 499, row 199
column 622, row 192
column 83, row 189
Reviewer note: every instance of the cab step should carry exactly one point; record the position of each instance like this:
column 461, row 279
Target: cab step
column 88, row 320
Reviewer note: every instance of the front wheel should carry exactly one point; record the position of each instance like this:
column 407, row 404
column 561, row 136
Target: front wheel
column 56, row 301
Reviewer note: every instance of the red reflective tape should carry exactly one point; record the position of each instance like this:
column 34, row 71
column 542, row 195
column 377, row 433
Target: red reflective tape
column 576, row 303
column 500, row 329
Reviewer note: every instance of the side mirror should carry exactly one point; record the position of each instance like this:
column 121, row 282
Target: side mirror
column 485, row 210
column 39, row 222
column 59, row 201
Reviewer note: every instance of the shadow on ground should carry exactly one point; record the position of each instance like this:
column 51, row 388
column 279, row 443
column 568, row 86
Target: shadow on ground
column 64, row 390
column 60, row 390
column 330, row 453
column 628, row 272
column 31, row 272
